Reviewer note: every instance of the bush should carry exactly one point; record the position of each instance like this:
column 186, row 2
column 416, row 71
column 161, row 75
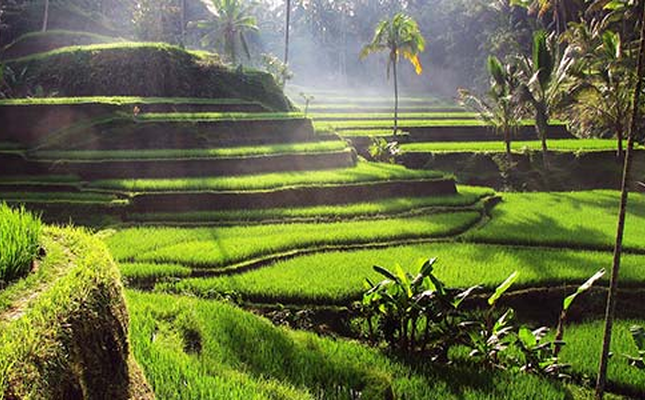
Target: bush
column 19, row 242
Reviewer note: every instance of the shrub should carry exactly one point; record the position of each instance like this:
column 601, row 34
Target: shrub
column 19, row 242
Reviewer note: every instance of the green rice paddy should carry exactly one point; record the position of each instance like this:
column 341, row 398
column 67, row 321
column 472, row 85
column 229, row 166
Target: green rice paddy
column 363, row 172
column 517, row 146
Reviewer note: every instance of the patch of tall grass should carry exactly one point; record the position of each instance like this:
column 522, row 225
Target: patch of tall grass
column 362, row 173
column 221, row 246
column 337, row 277
column 197, row 349
column 467, row 196
column 575, row 219
column 498, row 146
column 20, row 233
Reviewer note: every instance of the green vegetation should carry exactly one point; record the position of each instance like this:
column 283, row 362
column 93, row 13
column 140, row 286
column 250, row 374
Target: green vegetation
column 338, row 276
column 441, row 115
column 59, row 197
column 142, row 272
column 231, row 116
column 165, row 154
column 578, row 219
column 204, row 349
column 468, row 196
column 78, row 305
column 554, row 145
column 122, row 100
column 20, row 233
column 406, row 123
column 582, row 351
column 363, row 172
column 220, row 246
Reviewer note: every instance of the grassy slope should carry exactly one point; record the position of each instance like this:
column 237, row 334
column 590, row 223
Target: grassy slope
column 20, row 235
column 50, row 346
column 336, row 277
column 577, row 219
column 583, row 352
column 213, row 247
column 467, row 196
column 556, row 145
column 242, row 356
column 363, row 172
column 229, row 152
column 120, row 100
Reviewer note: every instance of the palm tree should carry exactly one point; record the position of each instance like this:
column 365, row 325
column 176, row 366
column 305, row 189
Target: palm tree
column 46, row 16
column 500, row 108
column 286, row 32
column 543, row 82
column 560, row 11
column 229, row 27
column 399, row 36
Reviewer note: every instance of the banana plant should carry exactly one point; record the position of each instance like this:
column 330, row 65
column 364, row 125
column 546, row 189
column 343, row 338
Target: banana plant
column 414, row 312
column 638, row 335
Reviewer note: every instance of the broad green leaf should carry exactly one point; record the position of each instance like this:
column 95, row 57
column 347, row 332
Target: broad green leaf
column 501, row 289
column 583, row 288
column 527, row 337
column 385, row 273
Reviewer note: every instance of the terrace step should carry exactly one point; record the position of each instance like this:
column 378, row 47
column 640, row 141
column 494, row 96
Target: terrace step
column 478, row 133
column 28, row 123
column 177, row 168
column 185, row 134
column 290, row 197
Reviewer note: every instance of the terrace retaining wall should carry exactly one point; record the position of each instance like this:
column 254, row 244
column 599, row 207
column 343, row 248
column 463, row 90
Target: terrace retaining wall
column 28, row 124
column 133, row 169
column 478, row 134
column 291, row 197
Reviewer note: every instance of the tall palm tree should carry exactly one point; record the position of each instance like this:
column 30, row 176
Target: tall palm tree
column 500, row 108
column 46, row 16
column 232, row 21
column 287, row 27
column 543, row 82
column 399, row 36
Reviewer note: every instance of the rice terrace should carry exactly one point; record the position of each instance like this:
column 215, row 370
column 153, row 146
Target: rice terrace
column 322, row 199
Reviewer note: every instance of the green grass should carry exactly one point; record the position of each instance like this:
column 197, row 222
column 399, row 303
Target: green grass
column 337, row 277
column 141, row 272
column 363, row 172
column 582, row 350
column 20, row 233
column 58, row 197
column 121, row 100
column 107, row 46
column 219, row 116
column 457, row 115
column 36, row 350
column 576, row 219
column 499, row 146
column 221, row 246
column 165, row 154
column 242, row 356
column 468, row 195
column 361, row 132
column 404, row 123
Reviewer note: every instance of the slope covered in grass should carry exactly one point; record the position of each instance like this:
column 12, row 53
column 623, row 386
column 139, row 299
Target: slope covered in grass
column 116, row 69
column 197, row 349
column 554, row 145
column 338, row 277
column 219, row 246
column 575, row 219
column 363, row 172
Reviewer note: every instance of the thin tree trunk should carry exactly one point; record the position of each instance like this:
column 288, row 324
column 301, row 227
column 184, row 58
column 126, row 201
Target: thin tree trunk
column 542, row 126
column 613, row 286
column 620, row 152
column 183, row 22
column 396, row 98
column 507, row 141
column 46, row 16
column 286, row 33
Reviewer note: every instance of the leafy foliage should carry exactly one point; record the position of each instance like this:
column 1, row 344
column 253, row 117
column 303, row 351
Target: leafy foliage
column 638, row 335
column 19, row 242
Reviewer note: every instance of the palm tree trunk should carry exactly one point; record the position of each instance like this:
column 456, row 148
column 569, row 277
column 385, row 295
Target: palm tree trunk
column 613, row 285
column 46, row 16
column 620, row 151
column 507, row 141
column 286, row 33
column 396, row 98
column 542, row 125
column 183, row 22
